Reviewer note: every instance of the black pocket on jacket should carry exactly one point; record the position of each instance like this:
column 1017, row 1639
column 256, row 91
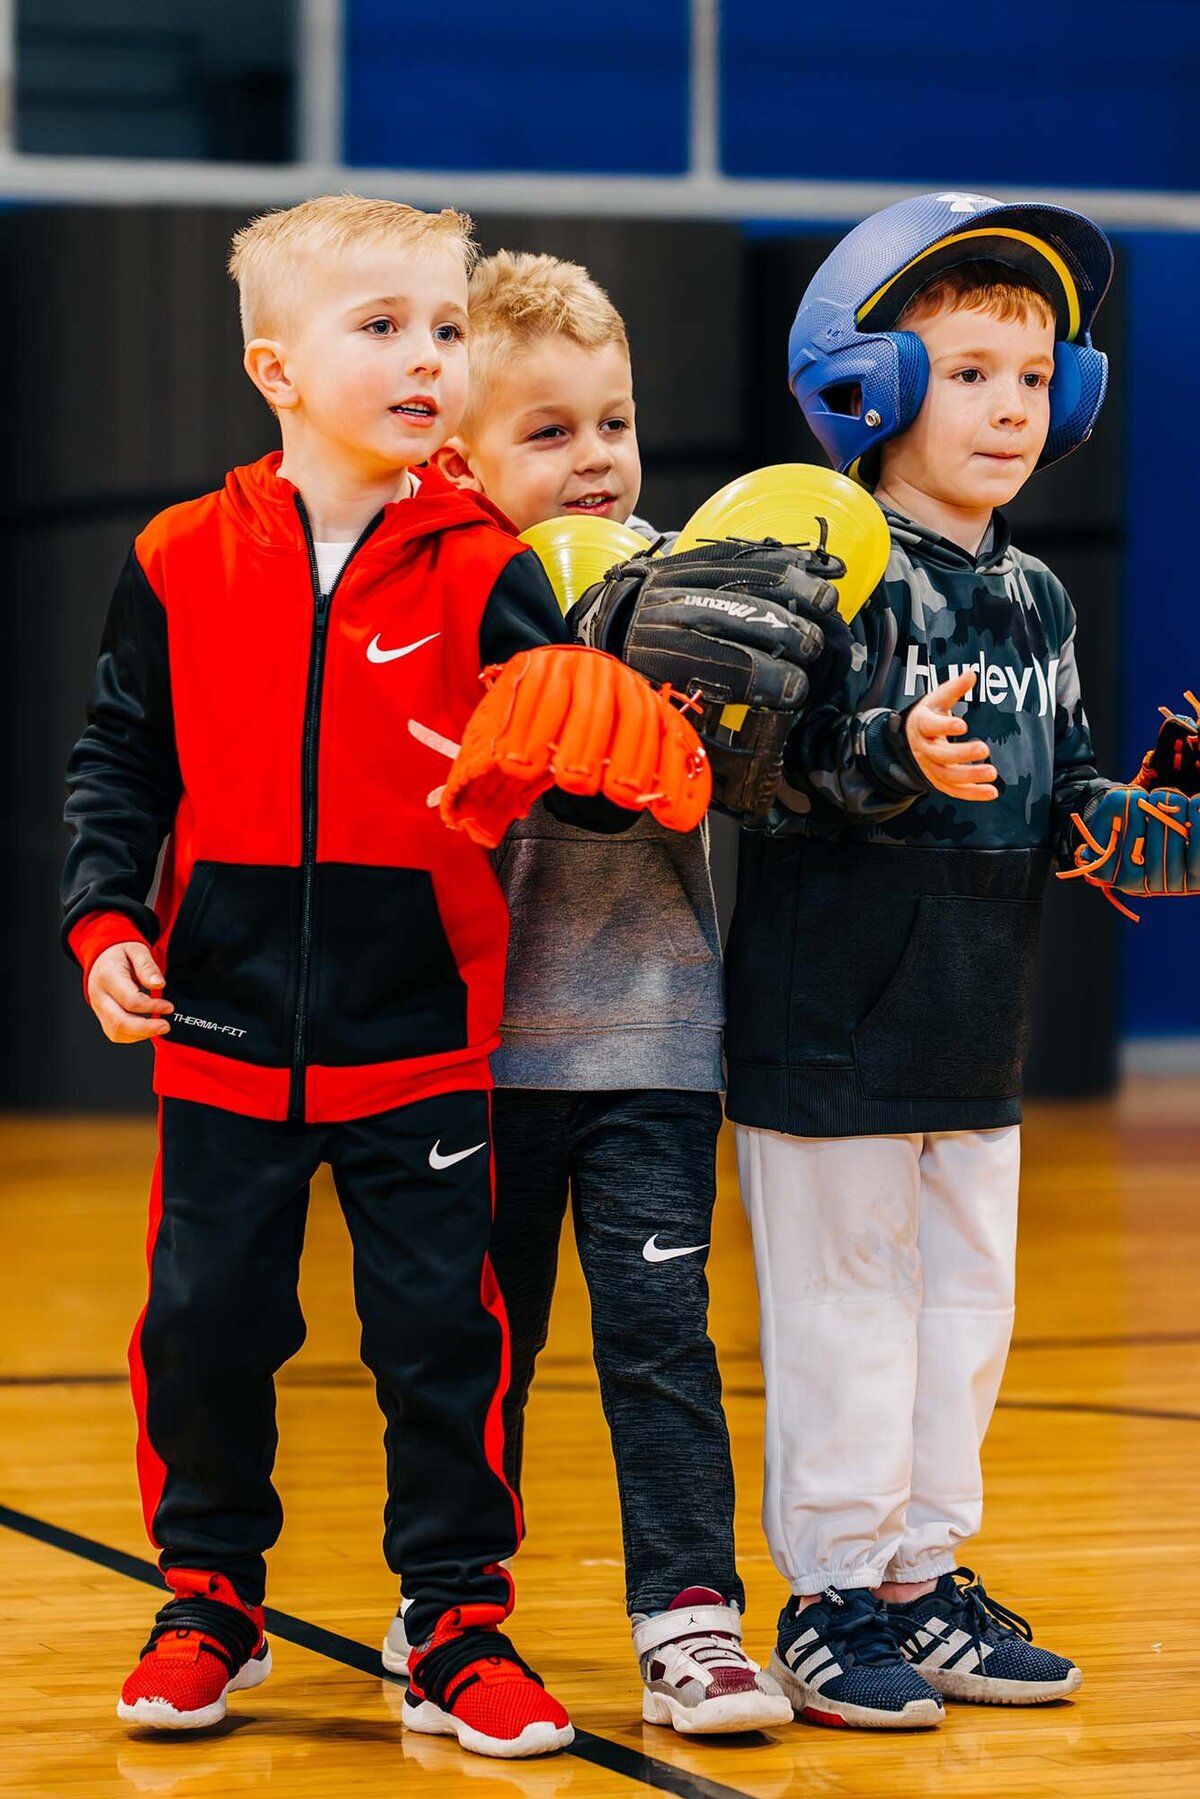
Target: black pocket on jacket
column 384, row 982
column 229, row 962
column 954, row 1021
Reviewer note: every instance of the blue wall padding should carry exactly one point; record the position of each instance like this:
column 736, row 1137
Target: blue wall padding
column 934, row 91
column 1161, row 956
column 536, row 86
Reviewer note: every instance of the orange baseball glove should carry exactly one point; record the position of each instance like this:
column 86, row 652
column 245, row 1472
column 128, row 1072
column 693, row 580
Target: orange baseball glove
column 569, row 717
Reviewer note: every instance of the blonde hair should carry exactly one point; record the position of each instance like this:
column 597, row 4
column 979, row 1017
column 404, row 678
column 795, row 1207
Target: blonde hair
column 516, row 299
column 269, row 257
column 981, row 286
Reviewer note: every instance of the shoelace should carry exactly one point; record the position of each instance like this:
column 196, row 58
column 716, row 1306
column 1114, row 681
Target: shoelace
column 711, row 1649
column 437, row 1669
column 234, row 1635
column 982, row 1615
column 860, row 1630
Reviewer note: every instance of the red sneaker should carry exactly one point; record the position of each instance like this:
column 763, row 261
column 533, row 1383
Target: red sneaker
column 205, row 1644
column 469, row 1682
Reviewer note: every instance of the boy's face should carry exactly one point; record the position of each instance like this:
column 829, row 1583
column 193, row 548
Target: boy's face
column 557, row 435
column 376, row 354
column 986, row 411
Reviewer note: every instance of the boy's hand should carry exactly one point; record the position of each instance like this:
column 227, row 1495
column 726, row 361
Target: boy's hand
column 125, row 992
column 960, row 770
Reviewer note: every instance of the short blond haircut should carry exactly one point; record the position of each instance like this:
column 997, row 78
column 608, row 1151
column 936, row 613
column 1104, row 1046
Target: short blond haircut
column 981, row 286
column 516, row 300
column 270, row 256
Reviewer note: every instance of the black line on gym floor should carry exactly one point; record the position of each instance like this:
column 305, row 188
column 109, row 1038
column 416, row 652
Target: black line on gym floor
column 1090, row 1408
column 1087, row 1407
column 599, row 1750
column 350, row 1374
column 1115, row 1340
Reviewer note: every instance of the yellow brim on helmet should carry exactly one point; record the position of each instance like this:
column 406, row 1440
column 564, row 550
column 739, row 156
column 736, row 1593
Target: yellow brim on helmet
column 577, row 552
column 801, row 503
column 992, row 242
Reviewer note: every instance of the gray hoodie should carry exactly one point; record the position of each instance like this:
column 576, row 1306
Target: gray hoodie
column 614, row 959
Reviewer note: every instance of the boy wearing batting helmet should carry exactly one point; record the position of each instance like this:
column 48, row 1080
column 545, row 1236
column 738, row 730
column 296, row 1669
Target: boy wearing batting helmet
column 881, row 958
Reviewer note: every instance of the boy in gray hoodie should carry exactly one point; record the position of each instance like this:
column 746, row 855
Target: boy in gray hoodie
column 609, row 1078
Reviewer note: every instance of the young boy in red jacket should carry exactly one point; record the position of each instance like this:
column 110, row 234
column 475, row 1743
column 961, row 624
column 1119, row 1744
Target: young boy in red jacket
column 287, row 668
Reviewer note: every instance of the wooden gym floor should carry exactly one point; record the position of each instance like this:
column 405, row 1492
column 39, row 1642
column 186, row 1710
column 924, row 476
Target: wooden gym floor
column 1092, row 1529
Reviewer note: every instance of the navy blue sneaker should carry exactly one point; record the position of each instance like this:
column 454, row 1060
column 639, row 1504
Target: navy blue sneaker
column 970, row 1647
column 839, row 1662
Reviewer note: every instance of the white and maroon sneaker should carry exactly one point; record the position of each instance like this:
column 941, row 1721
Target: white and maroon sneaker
column 696, row 1676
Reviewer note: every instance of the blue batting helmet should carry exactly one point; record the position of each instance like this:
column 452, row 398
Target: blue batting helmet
column 859, row 381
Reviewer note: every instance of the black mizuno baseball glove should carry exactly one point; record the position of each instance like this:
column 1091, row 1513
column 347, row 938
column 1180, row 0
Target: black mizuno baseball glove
column 746, row 633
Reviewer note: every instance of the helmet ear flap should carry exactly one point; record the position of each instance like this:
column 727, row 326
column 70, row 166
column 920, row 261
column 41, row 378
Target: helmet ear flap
column 912, row 377
column 863, row 393
column 1066, row 384
column 1077, row 390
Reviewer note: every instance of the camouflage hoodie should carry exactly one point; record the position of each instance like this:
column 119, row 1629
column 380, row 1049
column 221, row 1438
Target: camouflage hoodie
column 879, row 966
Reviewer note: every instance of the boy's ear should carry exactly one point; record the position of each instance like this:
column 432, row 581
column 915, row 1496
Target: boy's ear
column 453, row 459
column 264, row 362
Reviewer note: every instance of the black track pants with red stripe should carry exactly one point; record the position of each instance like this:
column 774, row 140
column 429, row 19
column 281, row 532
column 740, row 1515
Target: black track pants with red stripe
column 228, row 1212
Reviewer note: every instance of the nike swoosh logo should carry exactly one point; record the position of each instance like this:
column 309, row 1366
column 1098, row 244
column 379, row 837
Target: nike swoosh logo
column 445, row 746
column 459, row 1155
column 652, row 1253
column 375, row 654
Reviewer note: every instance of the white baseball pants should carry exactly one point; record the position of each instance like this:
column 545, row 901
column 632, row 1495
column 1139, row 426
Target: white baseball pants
column 886, row 1274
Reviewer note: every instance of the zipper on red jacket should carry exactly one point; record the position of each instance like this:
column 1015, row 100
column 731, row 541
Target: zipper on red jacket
column 309, row 768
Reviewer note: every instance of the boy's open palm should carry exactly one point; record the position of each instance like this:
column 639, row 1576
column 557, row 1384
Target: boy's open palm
column 960, row 770
column 125, row 992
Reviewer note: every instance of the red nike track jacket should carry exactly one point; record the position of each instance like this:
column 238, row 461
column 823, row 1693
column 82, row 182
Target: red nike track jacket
column 331, row 949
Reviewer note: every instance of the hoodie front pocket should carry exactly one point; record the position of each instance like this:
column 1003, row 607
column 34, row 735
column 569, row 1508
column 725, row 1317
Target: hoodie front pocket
column 385, row 985
column 954, row 1020
column 603, row 934
column 229, row 961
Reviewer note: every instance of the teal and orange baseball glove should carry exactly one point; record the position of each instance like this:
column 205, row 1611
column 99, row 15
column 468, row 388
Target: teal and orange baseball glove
column 1143, row 845
column 1144, row 839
